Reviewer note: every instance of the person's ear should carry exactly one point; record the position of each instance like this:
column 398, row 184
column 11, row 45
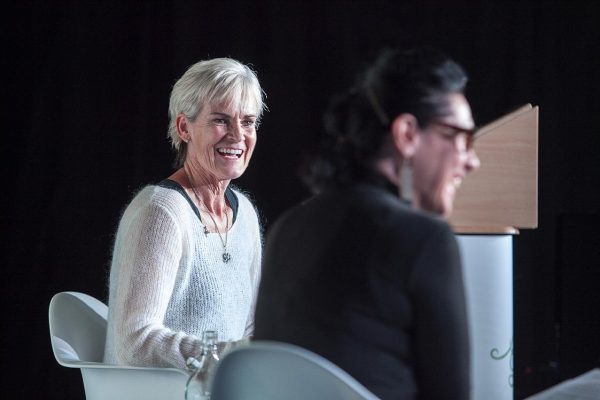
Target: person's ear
column 182, row 125
column 404, row 131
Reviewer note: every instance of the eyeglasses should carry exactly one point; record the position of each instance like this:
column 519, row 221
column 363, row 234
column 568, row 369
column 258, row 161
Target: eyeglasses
column 463, row 138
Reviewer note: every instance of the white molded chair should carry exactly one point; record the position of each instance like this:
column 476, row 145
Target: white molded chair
column 78, row 332
column 265, row 370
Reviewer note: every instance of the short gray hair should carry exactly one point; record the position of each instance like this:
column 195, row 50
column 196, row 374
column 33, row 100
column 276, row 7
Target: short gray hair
column 219, row 80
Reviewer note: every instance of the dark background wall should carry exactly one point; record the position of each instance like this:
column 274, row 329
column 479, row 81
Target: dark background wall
column 84, row 105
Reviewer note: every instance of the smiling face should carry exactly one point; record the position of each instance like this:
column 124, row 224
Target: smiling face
column 220, row 141
column 442, row 160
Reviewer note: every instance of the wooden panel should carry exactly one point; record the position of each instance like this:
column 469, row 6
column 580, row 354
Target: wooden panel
column 501, row 196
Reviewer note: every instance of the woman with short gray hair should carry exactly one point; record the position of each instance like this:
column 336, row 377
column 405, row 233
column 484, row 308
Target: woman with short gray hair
column 188, row 250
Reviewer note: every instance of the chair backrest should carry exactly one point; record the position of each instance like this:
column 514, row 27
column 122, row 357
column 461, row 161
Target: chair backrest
column 77, row 328
column 78, row 333
column 266, row 370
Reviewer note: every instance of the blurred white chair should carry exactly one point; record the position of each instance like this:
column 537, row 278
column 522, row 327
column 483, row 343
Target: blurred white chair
column 266, row 370
column 78, row 332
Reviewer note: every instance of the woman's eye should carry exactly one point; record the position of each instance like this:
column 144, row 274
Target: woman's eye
column 461, row 140
column 248, row 123
column 219, row 121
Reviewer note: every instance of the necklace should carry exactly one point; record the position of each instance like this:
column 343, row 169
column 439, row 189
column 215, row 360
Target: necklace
column 226, row 255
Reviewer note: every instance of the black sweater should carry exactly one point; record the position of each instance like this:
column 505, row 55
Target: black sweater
column 359, row 277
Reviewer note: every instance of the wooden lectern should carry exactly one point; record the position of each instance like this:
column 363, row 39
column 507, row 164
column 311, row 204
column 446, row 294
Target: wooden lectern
column 501, row 196
column 493, row 203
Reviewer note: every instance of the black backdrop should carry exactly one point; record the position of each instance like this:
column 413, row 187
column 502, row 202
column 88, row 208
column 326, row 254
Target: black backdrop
column 85, row 94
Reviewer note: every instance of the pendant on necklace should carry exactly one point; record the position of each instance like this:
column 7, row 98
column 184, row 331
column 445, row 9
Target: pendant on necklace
column 226, row 257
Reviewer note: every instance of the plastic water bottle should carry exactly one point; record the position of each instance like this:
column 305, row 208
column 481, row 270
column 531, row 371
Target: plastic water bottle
column 198, row 384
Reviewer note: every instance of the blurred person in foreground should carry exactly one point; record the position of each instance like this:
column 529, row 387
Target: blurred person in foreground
column 367, row 272
column 187, row 253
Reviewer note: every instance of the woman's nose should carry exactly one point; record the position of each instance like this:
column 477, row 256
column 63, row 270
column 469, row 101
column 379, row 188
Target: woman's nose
column 473, row 161
column 236, row 132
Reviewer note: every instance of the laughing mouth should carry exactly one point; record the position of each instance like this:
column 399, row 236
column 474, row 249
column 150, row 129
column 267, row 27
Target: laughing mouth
column 229, row 152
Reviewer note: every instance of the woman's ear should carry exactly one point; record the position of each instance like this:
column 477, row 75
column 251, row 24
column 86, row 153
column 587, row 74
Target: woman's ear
column 182, row 125
column 404, row 134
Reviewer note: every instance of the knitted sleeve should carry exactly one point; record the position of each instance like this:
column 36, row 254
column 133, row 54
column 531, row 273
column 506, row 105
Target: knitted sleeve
column 146, row 257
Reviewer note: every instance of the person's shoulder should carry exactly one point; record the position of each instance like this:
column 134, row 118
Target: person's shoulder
column 241, row 195
column 158, row 197
column 422, row 222
column 244, row 204
column 243, row 199
column 397, row 215
column 157, row 209
column 425, row 218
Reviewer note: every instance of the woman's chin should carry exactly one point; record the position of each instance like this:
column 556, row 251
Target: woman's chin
column 443, row 208
column 231, row 175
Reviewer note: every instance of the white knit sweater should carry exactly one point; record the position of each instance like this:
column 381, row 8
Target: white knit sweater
column 168, row 282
